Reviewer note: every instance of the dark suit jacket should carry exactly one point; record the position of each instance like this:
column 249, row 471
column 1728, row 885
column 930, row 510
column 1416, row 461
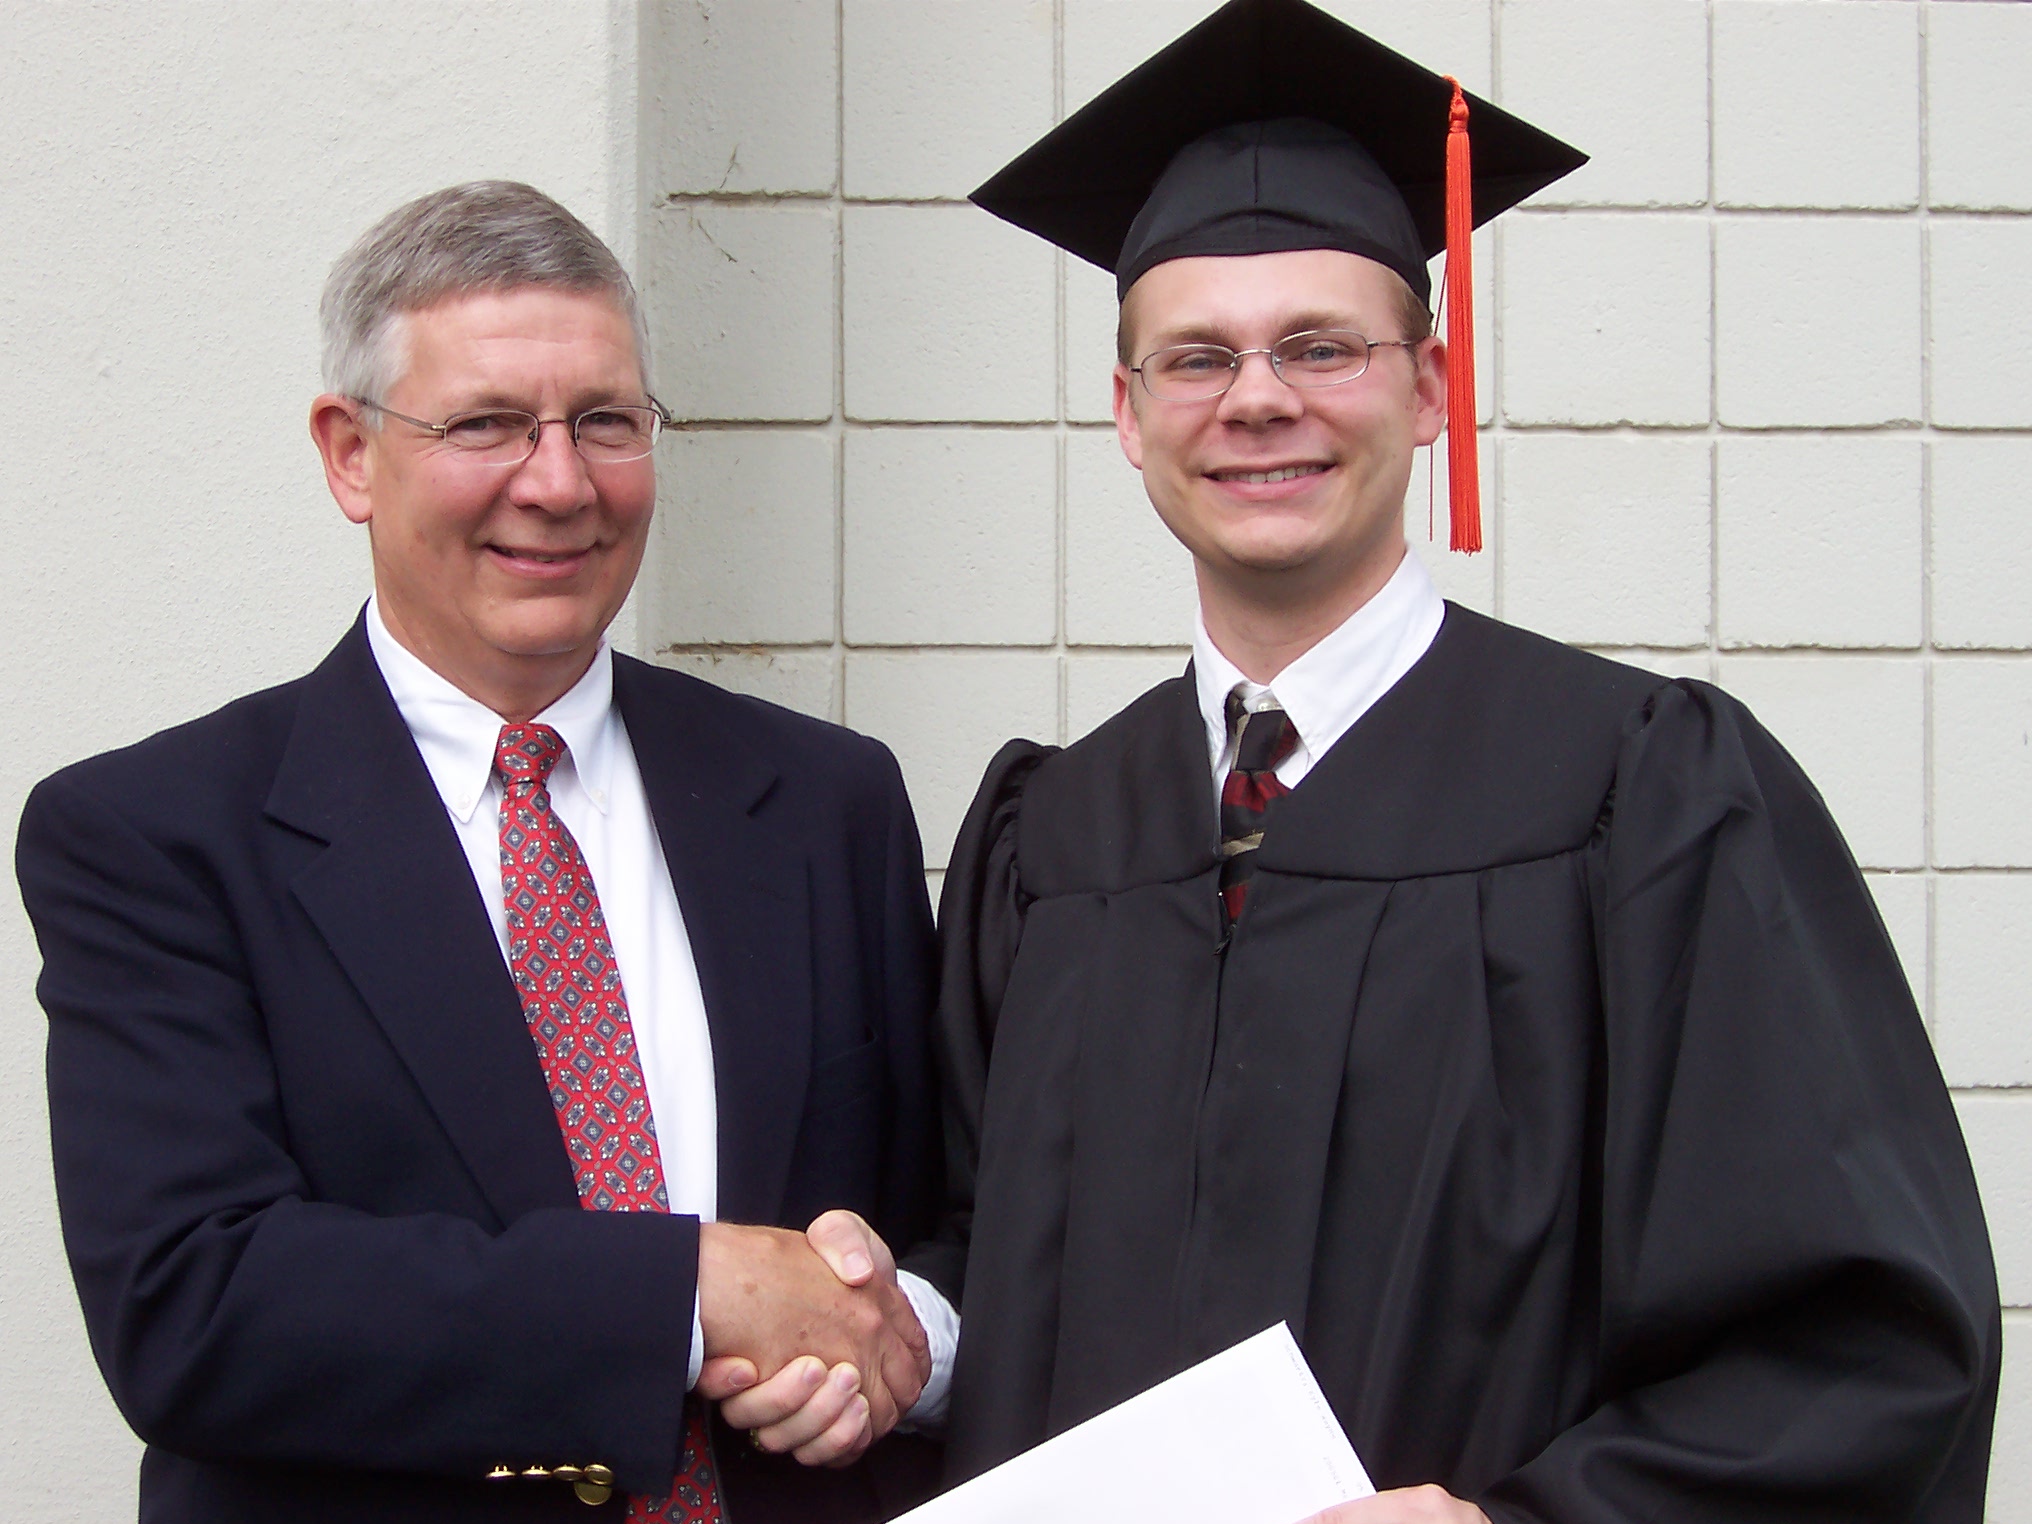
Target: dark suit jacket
column 325, row 1234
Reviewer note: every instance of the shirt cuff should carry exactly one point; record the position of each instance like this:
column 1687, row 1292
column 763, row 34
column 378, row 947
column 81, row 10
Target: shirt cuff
column 942, row 1328
column 698, row 1344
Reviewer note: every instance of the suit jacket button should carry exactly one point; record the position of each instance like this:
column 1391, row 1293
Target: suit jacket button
column 595, row 1486
column 501, row 1474
column 566, row 1473
column 536, row 1474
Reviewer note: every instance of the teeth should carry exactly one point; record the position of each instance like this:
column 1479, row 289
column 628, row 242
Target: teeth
column 1289, row 473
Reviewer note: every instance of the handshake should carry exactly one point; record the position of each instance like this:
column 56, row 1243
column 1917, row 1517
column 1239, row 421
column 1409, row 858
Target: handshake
column 810, row 1344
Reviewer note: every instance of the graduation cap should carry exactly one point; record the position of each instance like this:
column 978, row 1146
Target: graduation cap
column 1273, row 126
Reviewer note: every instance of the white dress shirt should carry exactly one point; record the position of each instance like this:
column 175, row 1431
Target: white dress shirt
column 596, row 789
column 1332, row 685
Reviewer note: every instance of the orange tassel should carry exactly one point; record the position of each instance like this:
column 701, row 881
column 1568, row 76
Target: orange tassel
column 1463, row 465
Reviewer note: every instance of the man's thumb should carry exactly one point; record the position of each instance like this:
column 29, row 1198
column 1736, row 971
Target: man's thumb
column 721, row 1377
column 848, row 1245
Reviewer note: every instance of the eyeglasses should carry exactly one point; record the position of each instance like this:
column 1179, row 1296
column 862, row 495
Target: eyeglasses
column 1201, row 372
column 604, row 436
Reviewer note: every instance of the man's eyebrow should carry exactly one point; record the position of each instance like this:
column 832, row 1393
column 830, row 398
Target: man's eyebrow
column 1192, row 333
column 1217, row 333
column 589, row 400
column 480, row 401
column 1311, row 322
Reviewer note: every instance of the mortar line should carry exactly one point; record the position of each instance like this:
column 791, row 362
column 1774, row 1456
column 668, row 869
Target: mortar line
column 1714, row 378
column 1553, row 210
column 1061, row 356
column 836, row 428
column 1536, row 209
column 1929, row 993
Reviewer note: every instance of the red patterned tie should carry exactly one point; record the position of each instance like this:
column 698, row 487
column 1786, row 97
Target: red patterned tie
column 1262, row 740
column 564, row 968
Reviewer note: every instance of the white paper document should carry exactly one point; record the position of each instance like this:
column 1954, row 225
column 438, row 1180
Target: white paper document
column 1243, row 1438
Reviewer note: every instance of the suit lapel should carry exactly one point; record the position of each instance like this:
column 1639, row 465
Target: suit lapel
column 744, row 893
column 394, row 898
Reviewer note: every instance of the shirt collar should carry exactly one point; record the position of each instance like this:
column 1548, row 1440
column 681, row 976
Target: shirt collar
column 1327, row 688
column 456, row 733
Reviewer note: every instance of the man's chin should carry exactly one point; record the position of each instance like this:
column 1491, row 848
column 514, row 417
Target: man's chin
column 1272, row 558
column 540, row 634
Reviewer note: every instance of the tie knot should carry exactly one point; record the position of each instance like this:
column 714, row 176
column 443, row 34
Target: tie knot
column 1263, row 737
column 527, row 753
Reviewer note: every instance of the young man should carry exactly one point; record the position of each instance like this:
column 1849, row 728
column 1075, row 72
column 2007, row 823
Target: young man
column 420, row 1029
column 1512, row 1023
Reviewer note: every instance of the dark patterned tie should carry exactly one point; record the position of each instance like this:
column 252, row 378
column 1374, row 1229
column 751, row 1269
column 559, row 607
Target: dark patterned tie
column 564, row 968
column 1262, row 740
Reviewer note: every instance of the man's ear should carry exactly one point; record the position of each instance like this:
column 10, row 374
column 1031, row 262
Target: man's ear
column 1428, row 398
column 346, row 446
column 1128, row 427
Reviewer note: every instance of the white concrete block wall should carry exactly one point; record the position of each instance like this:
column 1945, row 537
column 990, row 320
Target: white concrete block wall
column 1757, row 407
column 931, row 292
column 950, row 538
column 1633, row 509
column 1818, row 541
column 1981, row 543
column 1642, row 113
column 936, row 93
column 1791, row 131
column 1817, row 318
column 175, row 180
column 1982, row 325
column 1622, row 303
column 739, row 281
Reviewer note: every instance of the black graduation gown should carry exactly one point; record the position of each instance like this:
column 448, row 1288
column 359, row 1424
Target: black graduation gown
column 1560, row 1088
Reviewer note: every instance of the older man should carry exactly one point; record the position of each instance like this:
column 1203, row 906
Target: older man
column 420, row 1029
column 1513, row 1024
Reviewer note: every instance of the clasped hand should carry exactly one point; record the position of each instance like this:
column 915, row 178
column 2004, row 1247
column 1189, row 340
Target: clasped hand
column 810, row 1345
column 813, row 1348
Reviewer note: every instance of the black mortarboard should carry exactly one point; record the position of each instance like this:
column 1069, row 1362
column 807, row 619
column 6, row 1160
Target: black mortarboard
column 1273, row 126
column 1133, row 171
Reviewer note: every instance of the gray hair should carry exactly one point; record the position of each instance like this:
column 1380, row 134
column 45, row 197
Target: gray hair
column 483, row 236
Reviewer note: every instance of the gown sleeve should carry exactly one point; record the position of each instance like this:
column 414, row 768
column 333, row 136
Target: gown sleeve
column 1799, row 1311
column 980, row 922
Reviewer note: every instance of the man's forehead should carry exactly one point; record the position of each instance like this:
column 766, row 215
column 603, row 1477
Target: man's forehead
column 490, row 337
column 527, row 310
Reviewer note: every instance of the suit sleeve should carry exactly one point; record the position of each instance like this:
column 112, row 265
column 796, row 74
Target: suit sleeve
column 1799, row 1309
column 237, row 1318
column 980, row 925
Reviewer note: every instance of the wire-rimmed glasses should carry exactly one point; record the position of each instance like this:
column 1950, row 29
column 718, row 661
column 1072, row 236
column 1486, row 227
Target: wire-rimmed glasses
column 1319, row 357
column 609, row 435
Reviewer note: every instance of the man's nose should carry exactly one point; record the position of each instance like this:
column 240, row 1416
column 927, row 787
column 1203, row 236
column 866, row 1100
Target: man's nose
column 554, row 477
column 1258, row 393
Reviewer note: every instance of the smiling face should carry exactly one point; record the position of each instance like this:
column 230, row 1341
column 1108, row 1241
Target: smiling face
column 502, row 579
column 1287, row 497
